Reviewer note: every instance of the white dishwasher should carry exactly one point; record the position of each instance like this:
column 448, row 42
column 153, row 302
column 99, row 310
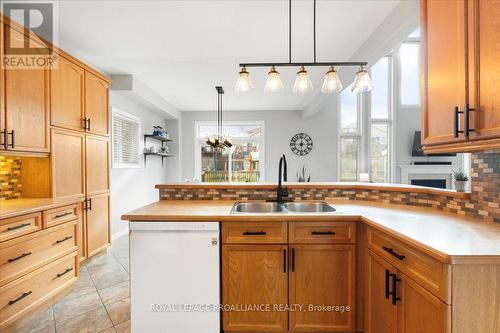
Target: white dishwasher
column 174, row 277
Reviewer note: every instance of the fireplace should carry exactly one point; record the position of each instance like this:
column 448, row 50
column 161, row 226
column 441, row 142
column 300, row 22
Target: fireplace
column 439, row 176
column 437, row 183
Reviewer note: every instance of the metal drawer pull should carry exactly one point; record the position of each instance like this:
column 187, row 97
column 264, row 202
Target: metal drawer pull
column 19, row 226
column 20, row 257
column 254, row 233
column 394, row 254
column 322, row 232
column 65, row 272
column 395, row 297
column 64, row 239
column 62, row 215
column 26, row 294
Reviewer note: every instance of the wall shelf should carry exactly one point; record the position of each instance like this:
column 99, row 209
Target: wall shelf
column 155, row 137
column 156, row 154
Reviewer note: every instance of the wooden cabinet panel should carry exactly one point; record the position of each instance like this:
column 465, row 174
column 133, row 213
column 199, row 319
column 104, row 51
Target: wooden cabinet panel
column 97, row 165
column 322, row 275
column 60, row 215
column 66, row 87
column 2, row 90
column 484, row 52
column 380, row 313
column 420, row 311
column 68, row 164
column 81, row 236
column 443, row 79
column 254, row 232
column 20, row 225
column 322, row 232
column 98, row 236
column 96, row 103
column 254, row 275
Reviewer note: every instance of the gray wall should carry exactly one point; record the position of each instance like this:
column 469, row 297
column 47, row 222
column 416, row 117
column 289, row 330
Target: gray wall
column 133, row 188
column 280, row 127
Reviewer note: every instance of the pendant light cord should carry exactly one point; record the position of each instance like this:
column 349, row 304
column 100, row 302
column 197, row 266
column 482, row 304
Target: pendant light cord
column 290, row 31
column 314, row 29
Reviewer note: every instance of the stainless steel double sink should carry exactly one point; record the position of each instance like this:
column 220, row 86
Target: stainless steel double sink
column 286, row 207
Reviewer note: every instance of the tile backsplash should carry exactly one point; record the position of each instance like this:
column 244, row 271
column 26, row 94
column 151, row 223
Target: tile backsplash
column 10, row 177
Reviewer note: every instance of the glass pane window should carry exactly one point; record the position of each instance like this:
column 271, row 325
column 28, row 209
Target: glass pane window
column 234, row 131
column 380, row 91
column 410, row 87
column 379, row 152
column 349, row 148
column 349, row 111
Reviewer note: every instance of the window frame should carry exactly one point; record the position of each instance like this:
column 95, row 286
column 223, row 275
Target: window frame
column 199, row 141
column 398, row 74
column 115, row 112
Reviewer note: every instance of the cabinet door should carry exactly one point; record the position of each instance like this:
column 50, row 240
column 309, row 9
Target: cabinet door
column 484, row 52
column 419, row 310
column 255, row 275
column 380, row 313
column 96, row 103
column 68, row 164
column 2, row 90
column 97, row 165
column 26, row 106
column 322, row 275
column 66, row 88
column 443, row 68
column 81, row 236
column 98, row 236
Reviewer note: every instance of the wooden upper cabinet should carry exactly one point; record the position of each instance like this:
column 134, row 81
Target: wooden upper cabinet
column 381, row 316
column 26, row 105
column 322, row 275
column 443, row 79
column 96, row 103
column 68, row 164
column 97, row 164
column 484, row 55
column 98, row 236
column 254, row 275
column 2, row 90
column 66, row 85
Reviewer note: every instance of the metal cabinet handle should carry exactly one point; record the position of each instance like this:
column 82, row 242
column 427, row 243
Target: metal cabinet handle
column 284, row 260
column 12, row 142
column 456, row 130
column 89, row 205
column 19, row 226
column 387, row 291
column 254, row 233
column 393, row 253
column 467, row 129
column 395, row 281
column 20, row 257
column 59, row 241
column 62, row 215
column 293, row 260
column 88, row 124
column 65, row 272
column 84, row 120
column 322, row 232
column 4, row 138
column 26, row 294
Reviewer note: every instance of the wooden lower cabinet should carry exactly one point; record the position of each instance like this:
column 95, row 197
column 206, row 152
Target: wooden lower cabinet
column 255, row 275
column 322, row 275
column 97, row 223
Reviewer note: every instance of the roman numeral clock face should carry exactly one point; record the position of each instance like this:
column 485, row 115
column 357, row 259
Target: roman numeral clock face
column 301, row 144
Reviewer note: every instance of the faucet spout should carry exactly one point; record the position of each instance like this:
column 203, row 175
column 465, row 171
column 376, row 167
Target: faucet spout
column 282, row 192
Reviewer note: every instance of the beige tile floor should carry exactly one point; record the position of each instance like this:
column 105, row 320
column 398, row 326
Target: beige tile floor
column 99, row 302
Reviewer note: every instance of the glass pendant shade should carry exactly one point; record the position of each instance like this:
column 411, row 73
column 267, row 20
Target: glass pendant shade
column 302, row 83
column 362, row 82
column 273, row 83
column 332, row 83
column 243, row 84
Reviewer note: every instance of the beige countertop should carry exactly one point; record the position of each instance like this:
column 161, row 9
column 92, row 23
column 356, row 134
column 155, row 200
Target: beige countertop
column 447, row 237
column 21, row 206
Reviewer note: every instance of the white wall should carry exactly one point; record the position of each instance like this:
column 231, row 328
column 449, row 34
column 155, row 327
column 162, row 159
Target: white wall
column 280, row 127
column 133, row 188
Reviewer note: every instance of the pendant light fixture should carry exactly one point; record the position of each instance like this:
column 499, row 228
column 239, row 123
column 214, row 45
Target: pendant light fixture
column 219, row 140
column 303, row 84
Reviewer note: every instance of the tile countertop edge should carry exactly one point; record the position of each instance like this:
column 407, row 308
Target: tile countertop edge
column 17, row 207
column 323, row 185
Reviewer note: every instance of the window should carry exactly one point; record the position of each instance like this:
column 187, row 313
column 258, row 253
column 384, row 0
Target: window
column 243, row 162
column 409, row 58
column 126, row 131
column 350, row 134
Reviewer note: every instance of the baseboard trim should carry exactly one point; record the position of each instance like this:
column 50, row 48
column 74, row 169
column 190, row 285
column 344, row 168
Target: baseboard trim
column 119, row 234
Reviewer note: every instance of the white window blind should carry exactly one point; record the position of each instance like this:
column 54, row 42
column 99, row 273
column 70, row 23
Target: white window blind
column 126, row 130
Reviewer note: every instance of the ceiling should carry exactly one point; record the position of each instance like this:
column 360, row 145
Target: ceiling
column 182, row 49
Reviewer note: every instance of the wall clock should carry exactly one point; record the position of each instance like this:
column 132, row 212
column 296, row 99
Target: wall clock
column 301, row 144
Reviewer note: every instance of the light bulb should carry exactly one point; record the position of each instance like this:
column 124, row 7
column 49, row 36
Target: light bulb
column 273, row 83
column 243, row 84
column 362, row 82
column 332, row 83
column 302, row 83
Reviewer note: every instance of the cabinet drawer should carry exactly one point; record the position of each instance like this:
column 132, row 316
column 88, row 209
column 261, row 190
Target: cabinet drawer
column 254, row 232
column 322, row 232
column 429, row 272
column 20, row 225
column 60, row 215
column 22, row 295
column 25, row 254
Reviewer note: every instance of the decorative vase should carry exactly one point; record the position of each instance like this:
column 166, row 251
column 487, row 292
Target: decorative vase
column 460, row 185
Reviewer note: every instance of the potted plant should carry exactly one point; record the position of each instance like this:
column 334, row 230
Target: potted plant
column 461, row 179
column 303, row 177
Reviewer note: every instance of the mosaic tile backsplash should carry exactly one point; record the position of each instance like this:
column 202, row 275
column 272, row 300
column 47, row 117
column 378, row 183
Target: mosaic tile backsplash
column 484, row 202
column 10, row 177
